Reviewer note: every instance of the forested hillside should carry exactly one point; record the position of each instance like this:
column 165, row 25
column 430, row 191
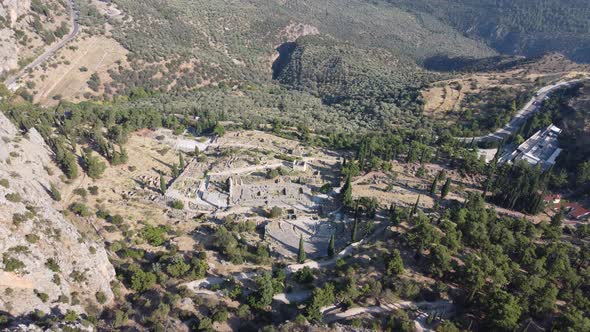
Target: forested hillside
column 527, row 28
column 373, row 80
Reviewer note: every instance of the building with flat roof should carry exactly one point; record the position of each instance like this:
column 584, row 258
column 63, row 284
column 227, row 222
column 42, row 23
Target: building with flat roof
column 541, row 149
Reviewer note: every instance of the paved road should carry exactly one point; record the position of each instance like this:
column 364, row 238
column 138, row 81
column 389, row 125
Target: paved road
column 521, row 116
column 11, row 82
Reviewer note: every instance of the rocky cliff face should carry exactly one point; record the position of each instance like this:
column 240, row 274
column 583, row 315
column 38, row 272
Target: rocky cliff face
column 45, row 263
column 12, row 9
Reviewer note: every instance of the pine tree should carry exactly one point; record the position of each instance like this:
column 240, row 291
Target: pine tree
column 94, row 167
column 332, row 247
column 445, row 189
column 301, row 255
column 395, row 266
column 162, row 185
column 181, row 161
column 433, row 186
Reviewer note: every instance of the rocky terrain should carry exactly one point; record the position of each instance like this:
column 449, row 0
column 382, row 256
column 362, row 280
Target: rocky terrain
column 26, row 28
column 47, row 264
column 10, row 10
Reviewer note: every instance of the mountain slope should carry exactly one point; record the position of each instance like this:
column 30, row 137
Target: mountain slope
column 236, row 40
column 46, row 262
column 27, row 27
column 529, row 28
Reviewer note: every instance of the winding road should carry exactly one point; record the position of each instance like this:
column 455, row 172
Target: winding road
column 533, row 106
column 12, row 82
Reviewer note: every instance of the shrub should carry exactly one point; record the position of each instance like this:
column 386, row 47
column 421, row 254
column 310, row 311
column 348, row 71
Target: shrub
column 32, row 238
column 51, row 264
column 71, row 316
column 11, row 264
column 4, row 183
column 178, row 267
column 205, row 324
column 101, row 297
column 63, row 299
column 154, row 235
column 43, row 296
column 54, row 193
column 94, row 82
column 304, row 276
column 275, row 212
column 220, row 315
column 81, row 192
column 13, row 197
column 177, row 204
column 18, row 218
column 78, row 276
column 80, row 209
column 326, row 188
column 142, row 281
column 93, row 190
column 116, row 219
column 243, row 311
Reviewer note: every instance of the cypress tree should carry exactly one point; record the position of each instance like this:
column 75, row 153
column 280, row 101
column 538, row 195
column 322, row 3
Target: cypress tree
column 162, row 185
column 445, row 189
column 347, row 193
column 557, row 219
column 54, row 193
column 394, row 218
column 410, row 153
column 355, row 229
column 301, row 254
column 433, row 186
column 415, row 208
column 332, row 247
column 175, row 171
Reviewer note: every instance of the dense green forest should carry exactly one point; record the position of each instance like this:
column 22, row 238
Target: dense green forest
column 507, row 270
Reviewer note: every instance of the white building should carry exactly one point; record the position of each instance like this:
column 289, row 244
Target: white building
column 541, row 149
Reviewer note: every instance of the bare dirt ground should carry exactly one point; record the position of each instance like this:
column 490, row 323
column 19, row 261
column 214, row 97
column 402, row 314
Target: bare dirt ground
column 65, row 76
column 147, row 157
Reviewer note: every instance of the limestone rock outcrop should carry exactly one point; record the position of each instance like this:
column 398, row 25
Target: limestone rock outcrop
column 45, row 262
